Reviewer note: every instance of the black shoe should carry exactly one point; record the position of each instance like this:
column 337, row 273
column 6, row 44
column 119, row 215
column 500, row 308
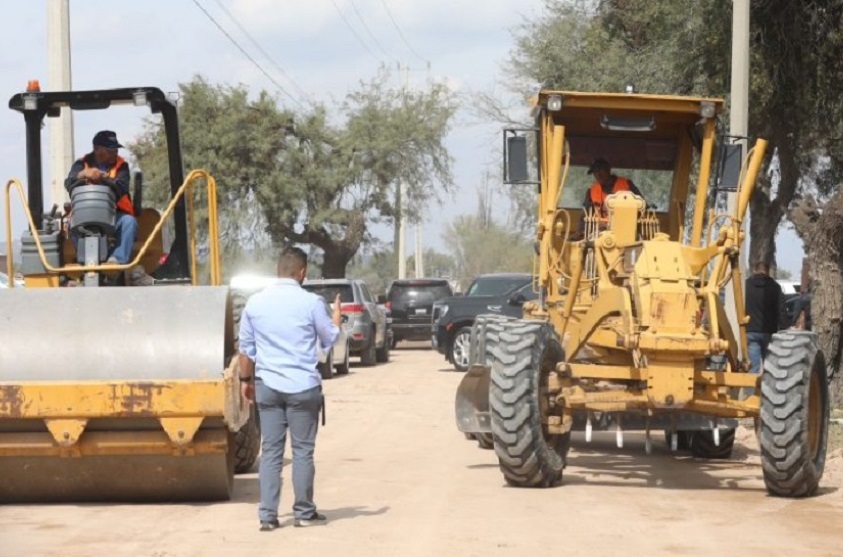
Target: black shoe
column 315, row 519
column 269, row 526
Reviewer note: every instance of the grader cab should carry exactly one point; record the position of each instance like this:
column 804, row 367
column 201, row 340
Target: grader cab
column 631, row 329
column 110, row 392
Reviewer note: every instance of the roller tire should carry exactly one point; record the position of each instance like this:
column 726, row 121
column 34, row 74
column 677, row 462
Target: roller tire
column 525, row 352
column 794, row 414
column 247, row 443
column 702, row 444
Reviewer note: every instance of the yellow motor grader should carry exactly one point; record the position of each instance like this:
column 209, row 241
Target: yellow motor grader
column 631, row 329
column 110, row 392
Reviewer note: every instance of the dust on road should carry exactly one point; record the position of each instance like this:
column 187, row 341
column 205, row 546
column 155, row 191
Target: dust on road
column 395, row 477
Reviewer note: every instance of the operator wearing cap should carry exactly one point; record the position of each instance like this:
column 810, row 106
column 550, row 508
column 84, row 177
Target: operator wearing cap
column 605, row 184
column 104, row 166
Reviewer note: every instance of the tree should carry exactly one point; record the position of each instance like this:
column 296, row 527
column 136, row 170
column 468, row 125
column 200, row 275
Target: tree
column 822, row 232
column 310, row 178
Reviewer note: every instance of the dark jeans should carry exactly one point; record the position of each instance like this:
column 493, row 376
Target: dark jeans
column 298, row 412
column 758, row 343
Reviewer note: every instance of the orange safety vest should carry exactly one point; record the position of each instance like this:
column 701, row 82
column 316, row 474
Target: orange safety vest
column 598, row 196
column 124, row 204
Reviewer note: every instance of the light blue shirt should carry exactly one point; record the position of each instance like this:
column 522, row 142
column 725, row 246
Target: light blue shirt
column 279, row 329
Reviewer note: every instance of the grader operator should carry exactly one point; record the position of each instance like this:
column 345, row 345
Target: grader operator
column 630, row 329
column 111, row 393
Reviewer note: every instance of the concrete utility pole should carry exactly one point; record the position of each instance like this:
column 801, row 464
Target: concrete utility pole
column 419, row 252
column 402, row 194
column 61, row 128
column 739, row 118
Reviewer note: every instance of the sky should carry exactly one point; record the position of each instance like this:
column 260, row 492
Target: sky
column 318, row 50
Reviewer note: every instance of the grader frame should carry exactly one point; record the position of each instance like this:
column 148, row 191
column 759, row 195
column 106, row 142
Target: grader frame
column 630, row 324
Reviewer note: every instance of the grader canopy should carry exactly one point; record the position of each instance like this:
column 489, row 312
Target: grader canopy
column 630, row 330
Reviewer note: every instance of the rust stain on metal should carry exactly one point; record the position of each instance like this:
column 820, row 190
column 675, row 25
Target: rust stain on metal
column 138, row 401
column 11, row 401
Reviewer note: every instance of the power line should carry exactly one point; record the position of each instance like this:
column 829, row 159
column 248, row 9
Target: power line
column 369, row 31
column 257, row 45
column 246, row 54
column 356, row 35
column 401, row 34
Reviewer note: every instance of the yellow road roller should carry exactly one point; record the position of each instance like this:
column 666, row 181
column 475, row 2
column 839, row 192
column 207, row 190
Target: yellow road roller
column 111, row 392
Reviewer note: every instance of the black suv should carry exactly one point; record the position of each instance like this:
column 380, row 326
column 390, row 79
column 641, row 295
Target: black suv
column 411, row 303
column 500, row 294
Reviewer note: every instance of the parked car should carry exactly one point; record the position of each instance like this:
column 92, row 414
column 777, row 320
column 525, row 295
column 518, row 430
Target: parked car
column 330, row 361
column 411, row 303
column 367, row 326
column 501, row 294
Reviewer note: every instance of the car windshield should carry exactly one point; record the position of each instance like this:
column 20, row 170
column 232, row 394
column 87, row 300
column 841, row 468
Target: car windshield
column 495, row 286
column 330, row 291
column 426, row 294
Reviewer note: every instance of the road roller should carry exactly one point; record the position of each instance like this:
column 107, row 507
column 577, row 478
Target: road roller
column 111, row 392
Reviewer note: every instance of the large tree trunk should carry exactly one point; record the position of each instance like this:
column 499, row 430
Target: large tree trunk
column 335, row 262
column 822, row 232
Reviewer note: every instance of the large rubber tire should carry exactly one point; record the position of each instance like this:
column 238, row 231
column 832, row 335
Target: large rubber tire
column 369, row 357
column 247, row 443
column 794, row 414
column 525, row 355
column 461, row 349
column 382, row 353
column 702, row 444
column 485, row 326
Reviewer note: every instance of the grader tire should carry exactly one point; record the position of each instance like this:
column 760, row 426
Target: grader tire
column 703, row 446
column 480, row 349
column 526, row 352
column 794, row 414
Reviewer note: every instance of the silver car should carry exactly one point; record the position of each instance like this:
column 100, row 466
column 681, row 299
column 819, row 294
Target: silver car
column 367, row 321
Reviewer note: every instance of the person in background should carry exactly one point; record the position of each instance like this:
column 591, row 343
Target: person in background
column 765, row 308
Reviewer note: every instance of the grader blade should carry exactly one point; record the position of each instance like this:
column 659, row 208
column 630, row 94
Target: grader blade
column 116, row 394
column 472, row 401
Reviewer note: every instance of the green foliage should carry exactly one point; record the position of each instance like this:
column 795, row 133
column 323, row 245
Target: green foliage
column 312, row 178
column 481, row 245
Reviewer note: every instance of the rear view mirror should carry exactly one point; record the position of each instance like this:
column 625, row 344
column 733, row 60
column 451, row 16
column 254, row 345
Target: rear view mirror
column 516, row 159
column 517, row 299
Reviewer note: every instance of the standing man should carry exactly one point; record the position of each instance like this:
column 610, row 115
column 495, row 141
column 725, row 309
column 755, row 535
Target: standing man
column 279, row 330
column 764, row 306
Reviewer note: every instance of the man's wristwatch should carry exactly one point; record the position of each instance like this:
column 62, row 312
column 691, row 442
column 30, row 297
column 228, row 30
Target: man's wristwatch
column 246, row 379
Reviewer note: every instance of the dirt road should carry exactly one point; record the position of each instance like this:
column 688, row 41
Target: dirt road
column 395, row 478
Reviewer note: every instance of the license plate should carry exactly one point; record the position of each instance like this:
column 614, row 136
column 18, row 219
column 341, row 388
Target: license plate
column 421, row 311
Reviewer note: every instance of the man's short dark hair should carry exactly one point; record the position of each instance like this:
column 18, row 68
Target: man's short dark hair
column 761, row 265
column 291, row 261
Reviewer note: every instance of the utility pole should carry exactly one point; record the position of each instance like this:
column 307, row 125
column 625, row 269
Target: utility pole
column 61, row 128
column 739, row 119
column 402, row 193
column 419, row 253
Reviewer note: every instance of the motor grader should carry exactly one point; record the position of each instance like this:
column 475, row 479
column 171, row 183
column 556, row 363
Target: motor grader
column 632, row 328
column 110, row 392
